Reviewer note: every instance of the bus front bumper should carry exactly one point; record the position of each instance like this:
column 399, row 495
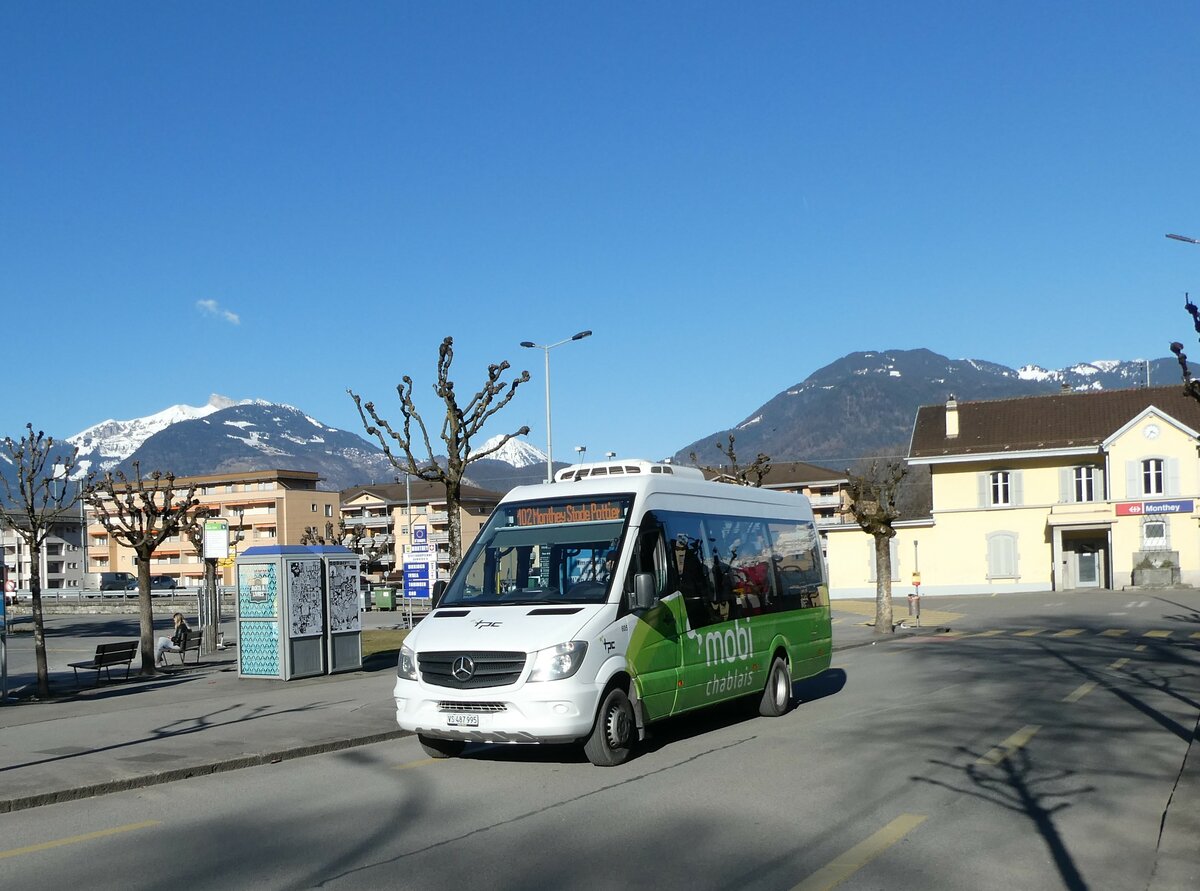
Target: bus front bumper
column 547, row 713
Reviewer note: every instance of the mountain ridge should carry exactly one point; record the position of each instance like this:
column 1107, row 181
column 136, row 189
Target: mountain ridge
column 861, row 404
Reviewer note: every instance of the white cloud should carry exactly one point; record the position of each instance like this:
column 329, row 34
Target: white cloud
column 212, row 308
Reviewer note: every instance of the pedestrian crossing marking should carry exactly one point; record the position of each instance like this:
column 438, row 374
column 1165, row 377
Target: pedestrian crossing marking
column 1115, row 632
column 1010, row 745
column 1158, row 634
column 1029, row 632
column 1120, row 663
column 992, row 633
column 1068, row 632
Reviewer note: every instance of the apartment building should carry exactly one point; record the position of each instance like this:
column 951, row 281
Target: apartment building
column 62, row 557
column 391, row 511
column 265, row 507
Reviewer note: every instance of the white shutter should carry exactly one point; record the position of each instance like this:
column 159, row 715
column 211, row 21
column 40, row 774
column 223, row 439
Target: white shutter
column 1016, row 488
column 984, row 501
column 1172, row 481
column 1133, row 479
column 1066, row 485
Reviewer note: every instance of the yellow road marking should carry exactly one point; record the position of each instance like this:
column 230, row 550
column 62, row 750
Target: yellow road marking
column 1120, row 663
column 1010, row 745
column 1030, row 632
column 420, row 763
column 1139, row 648
column 1079, row 692
column 1159, row 634
column 953, row 634
column 1068, row 632
column 75, row 839
column 1115, row 632
column 1196, row 635
column 841, row 868
column 991, row 633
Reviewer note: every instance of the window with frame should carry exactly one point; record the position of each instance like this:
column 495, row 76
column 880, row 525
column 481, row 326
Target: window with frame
column 1153, row 477
column 1000, row 487
column 1154, row 534
column 1085, row 484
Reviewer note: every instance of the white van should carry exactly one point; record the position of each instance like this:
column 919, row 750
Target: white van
column 622, row 594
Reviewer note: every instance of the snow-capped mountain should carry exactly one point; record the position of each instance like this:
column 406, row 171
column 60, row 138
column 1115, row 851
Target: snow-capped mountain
column 515, row 452
column 105, row 445
column 252, row 434
column 865, row 402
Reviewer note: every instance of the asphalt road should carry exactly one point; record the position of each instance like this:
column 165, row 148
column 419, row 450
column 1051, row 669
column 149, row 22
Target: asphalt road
column 1035, row 747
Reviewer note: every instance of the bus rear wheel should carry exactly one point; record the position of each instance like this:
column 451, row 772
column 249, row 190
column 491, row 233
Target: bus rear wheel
column 441, row 748
column 777, row 695
column 611, row 739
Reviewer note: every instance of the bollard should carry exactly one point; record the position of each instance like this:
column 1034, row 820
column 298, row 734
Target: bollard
column 914, row 607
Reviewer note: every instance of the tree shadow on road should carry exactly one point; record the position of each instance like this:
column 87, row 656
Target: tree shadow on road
column 1015, row 785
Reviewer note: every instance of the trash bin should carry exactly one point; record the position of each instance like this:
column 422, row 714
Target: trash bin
column 385, row 598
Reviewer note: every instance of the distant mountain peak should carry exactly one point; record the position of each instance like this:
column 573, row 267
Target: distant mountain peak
column 516, row 452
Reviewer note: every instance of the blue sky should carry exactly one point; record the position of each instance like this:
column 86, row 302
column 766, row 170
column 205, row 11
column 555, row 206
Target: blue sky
column 283, row 201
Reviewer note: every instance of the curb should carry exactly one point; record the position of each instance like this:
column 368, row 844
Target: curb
column 170, row 776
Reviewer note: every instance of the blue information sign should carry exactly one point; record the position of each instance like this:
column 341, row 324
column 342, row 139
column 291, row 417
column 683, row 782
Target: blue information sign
column 416, row 578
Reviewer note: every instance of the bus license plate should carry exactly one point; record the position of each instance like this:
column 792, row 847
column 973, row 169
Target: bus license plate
column 462, row 720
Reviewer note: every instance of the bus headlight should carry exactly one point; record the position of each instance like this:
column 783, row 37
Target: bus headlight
column 558, row 662
column 406, row 666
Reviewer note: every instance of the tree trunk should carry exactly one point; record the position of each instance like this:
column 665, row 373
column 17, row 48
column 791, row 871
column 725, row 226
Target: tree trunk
column 453, row 497
column 883, row 585
column 146, row 616
column 39, row 632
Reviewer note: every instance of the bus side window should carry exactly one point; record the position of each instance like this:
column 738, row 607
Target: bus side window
column 797, row 564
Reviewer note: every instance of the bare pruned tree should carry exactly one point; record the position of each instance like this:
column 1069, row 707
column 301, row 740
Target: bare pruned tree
column 141, row 513
column 1191, row 386
column 752, row 474
column 460, row 424
column 35, row 504
column 874, row 503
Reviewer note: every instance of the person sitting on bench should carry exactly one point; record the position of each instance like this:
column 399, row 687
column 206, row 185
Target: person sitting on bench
column 173, row 644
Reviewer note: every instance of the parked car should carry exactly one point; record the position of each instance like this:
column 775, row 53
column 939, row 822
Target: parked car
column 116, row 581
column 163, row 585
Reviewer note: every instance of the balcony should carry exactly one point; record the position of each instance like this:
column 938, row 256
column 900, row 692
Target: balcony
column 825, row 500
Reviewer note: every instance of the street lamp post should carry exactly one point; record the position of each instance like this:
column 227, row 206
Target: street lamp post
column 529, row 344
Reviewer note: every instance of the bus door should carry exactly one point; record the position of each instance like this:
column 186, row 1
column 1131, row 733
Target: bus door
column 653, row 656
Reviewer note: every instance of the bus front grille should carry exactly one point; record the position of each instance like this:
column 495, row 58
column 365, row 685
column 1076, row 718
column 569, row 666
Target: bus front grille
column 470, row 670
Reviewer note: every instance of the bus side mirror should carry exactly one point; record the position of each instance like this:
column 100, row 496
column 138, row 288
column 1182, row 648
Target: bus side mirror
column 643, row 590
column 439, row 588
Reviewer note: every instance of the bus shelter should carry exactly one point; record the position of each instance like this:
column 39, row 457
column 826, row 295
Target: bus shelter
column 341, row 570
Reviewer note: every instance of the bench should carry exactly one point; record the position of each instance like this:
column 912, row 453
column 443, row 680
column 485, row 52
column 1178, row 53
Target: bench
column 108, row 655
column 192, row 646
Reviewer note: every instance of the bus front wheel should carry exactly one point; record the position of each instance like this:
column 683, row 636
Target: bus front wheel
column 611, row 739
column 777, row 695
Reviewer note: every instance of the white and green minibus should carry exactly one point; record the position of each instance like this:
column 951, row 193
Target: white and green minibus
column 623, row 593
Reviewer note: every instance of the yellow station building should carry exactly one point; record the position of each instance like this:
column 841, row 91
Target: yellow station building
column 1069, row 491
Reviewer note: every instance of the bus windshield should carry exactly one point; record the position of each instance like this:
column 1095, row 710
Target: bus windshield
column 560, row 551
